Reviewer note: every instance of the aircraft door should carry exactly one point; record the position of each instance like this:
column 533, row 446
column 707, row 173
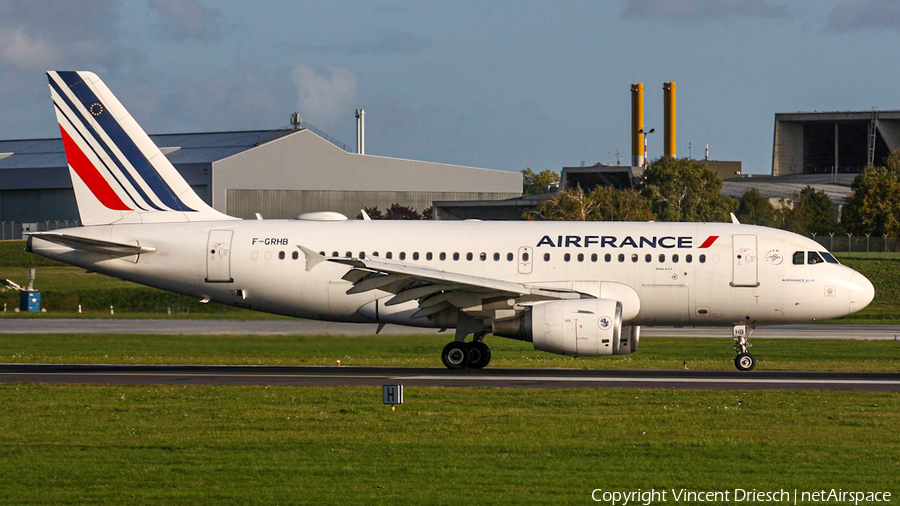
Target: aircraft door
column 218, row 256
column 526, row 260
column 744, row 261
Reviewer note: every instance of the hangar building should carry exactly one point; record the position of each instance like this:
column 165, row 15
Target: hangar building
column 277, row 173
column 817, row 142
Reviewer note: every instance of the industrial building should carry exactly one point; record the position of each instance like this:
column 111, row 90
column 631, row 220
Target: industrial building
column 833, row 142
column 278, row 173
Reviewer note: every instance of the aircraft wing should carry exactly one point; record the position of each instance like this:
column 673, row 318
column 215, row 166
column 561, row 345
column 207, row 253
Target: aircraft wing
column 95, row 245
column 437, row 290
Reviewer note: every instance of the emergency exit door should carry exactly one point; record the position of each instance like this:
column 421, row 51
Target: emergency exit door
column 744, row 260
column 218, row 257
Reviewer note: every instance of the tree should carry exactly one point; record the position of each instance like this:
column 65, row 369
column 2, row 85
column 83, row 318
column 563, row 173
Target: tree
column 813, row 213
column 603, row 203
column 755, row 209
column 684, row 190
column 397, row 212
column 535, row 183
column 874, row 205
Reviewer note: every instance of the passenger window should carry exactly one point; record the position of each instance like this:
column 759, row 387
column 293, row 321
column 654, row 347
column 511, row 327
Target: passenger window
column 374, row 253
column 689, row 258
column 281, row 255
column 525, row 257
column 593, row 257
column 634, row 257
column 829, row 257
column 798, row 258
column 402, row 255
column 607, row 257
column 621, row 257
column 362, row 254
column 482, row 256
column 443, row 256
column 415, row 255
column 334, row 254
column 567, row 257
column 546, row 257
column 428, row 256
column 581, row 257
column 702, row 259
column 469, row 256
column 296, row 255
column 648, row 258
column 388, row 255
column 813, row 258
column 496, row 257
column 675, row 258
column 321, row 253
column 662, row 258
column 349, row 255
column 455, row 256
column 509, row 257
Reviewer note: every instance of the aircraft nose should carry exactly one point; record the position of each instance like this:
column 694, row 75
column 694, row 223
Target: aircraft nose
column 861, row 292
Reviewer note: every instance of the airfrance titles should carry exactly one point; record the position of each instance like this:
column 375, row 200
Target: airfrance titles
column 611, row 241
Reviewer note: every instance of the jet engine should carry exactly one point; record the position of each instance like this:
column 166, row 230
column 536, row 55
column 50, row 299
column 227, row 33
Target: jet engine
column 577, row 328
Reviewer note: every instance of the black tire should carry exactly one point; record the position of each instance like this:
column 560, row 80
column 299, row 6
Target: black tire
column 479, row 355
column 745, row 362
column 455, row 355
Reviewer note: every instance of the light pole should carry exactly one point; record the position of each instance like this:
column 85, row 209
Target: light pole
column 646, row 134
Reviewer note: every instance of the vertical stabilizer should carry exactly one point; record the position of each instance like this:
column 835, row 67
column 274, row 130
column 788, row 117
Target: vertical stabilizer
column 118, row 173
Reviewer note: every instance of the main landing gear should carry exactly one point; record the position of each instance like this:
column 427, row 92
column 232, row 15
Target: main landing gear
column 743, row 361
column 463, row 355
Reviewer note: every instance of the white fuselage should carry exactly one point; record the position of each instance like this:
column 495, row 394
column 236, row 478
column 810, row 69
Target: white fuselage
column 746, row 274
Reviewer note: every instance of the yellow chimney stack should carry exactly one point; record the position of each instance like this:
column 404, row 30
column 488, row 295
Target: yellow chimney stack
column 669, row 104
column 637, row 125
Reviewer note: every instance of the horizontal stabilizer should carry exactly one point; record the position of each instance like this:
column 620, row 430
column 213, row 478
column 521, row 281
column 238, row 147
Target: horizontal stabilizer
column 94, row 245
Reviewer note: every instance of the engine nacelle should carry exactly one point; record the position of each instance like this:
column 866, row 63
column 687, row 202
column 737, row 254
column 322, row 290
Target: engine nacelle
column 577, row 328
column 631, row 337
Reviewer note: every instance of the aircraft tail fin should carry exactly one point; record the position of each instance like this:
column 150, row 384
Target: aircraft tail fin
column 118, row 173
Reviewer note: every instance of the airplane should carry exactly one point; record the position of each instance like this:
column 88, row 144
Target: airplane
column 578, row 289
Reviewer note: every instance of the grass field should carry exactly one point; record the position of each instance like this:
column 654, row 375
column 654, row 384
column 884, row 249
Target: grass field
column 340, row 445
column 424, row 351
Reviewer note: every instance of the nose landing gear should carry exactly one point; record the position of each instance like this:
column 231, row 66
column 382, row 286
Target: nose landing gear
column 744, row 361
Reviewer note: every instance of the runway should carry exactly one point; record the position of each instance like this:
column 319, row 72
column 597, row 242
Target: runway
column 502, row 378
column 308, row 327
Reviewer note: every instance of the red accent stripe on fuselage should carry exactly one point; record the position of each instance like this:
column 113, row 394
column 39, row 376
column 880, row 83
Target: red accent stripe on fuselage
column 90, row 175
column 709, row 241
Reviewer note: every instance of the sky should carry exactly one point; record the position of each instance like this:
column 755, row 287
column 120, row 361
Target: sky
column 503, row 85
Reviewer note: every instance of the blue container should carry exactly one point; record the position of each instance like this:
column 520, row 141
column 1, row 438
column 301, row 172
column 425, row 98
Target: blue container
column 30, row 300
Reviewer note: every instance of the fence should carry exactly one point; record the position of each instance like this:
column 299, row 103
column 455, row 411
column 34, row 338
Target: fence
column 14, row 229
column 866, row 244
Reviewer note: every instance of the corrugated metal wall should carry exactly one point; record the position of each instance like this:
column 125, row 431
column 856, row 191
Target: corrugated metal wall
column 289, row 203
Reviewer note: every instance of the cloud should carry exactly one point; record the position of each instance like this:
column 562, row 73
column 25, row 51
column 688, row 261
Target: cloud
column 188, row 20
column 860, row 15
column 703, row 10
column 36, row 36
column 324, row 97
column 388, row 42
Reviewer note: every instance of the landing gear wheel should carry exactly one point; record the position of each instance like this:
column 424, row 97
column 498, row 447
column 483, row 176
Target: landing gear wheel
column 456, row 355
column 479, row 355
column 745, row 362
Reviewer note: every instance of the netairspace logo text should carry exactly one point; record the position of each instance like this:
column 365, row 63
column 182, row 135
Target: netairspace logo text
column 738, row 495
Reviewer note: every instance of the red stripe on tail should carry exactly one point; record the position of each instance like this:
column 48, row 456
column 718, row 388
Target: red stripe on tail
column 709, row 241
column 89, row 174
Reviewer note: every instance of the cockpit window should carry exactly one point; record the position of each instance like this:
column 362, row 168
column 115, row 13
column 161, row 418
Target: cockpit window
column 798, row 257
column 829, row 257
column 813, row 258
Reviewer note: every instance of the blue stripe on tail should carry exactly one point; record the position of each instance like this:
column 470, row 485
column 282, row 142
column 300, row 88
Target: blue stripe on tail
column 124, row 143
